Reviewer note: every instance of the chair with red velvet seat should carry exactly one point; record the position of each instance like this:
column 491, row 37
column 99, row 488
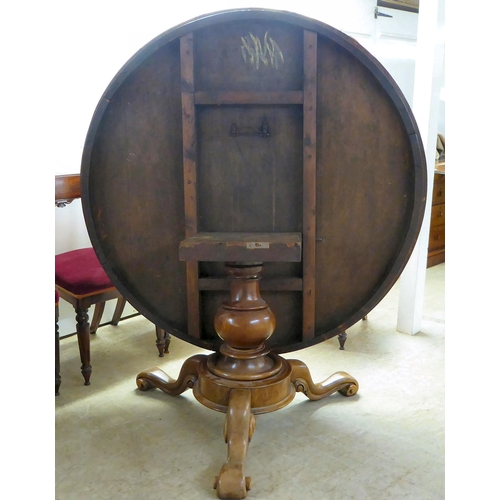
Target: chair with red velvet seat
column 81, row 280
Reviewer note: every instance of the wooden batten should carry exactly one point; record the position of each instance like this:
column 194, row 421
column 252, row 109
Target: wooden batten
column 189, row 160
column 242, row 247
column 309, row 201
column 266, row 285
column 229, row 97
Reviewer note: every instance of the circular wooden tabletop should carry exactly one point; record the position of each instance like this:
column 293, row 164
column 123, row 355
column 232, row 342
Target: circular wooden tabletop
column 254, row 120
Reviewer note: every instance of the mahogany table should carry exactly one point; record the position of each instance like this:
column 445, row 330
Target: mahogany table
column 253, row 182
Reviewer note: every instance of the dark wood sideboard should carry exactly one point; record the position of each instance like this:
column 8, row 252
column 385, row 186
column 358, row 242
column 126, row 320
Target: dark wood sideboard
column 436, row 247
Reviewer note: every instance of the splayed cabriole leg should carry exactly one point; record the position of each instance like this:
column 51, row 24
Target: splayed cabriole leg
column 155, row 377
column 338, row 382
column 239, row 427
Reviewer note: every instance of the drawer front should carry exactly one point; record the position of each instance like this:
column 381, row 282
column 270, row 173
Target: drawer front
column 436, row 238
column 437, row 215
column 438, row 191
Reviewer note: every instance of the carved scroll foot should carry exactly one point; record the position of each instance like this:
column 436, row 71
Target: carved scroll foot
column 339, row 381
column 155, row 377
column 238, row 431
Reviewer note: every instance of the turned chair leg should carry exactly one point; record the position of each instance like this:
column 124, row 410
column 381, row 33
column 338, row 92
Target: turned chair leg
column 342, row 338
column 83, row 334
column 57, row 356
column 162, row 341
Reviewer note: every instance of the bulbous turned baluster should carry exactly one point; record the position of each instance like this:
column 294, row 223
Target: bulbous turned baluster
column 245, row 320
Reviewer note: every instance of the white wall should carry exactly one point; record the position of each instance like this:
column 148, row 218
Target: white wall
column 94, row 39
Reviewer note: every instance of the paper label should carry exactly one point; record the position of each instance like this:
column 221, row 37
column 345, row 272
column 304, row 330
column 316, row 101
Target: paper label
column 258, row 244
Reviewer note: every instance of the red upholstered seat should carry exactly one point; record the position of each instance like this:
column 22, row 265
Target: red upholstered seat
column 80, row 272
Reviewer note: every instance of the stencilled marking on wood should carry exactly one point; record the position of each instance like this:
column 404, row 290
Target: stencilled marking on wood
column 256, row 52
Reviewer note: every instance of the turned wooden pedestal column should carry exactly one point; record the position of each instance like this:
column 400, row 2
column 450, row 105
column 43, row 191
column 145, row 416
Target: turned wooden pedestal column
column 244, row 377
